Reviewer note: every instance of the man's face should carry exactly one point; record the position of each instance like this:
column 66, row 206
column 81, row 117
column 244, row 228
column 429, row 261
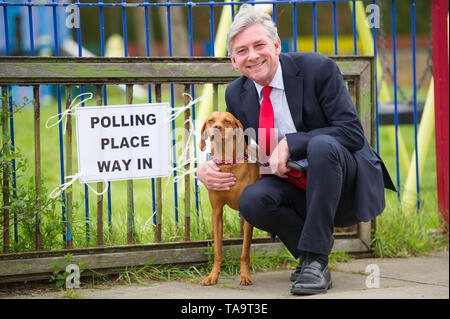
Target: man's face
column 255, row 55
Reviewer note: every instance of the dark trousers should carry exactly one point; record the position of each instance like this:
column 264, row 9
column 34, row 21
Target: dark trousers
column 305, row 220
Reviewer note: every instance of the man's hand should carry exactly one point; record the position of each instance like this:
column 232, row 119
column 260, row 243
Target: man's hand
column 210, row 175
column 279, row 158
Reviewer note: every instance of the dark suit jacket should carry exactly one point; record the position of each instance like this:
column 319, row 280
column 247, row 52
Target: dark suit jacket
column 320, row 104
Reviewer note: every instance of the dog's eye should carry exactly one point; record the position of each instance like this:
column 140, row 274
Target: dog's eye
column 210, row 121
column 227, row 122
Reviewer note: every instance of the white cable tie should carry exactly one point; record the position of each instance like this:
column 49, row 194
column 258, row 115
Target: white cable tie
column 181, row 171
column 69, row 111
column 63, row 187
column 58, row 190
column 179, row 177
column 181, row 109
column 97, row 193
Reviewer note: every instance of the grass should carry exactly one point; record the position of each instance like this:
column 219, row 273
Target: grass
column 268, row 261
column 195, row 274
column 399, row 233
column 402, row 232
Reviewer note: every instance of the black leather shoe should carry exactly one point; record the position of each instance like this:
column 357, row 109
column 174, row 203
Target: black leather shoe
column 298, row 269
column 312, row 279
column 296, row 272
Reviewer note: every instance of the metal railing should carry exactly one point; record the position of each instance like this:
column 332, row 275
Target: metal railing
column 56, row 8
column 184, row 72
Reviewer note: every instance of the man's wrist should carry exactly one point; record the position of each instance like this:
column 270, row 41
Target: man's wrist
column 297, row 143
column 284, row 140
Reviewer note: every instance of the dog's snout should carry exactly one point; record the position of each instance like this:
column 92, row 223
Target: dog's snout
column 217, row 126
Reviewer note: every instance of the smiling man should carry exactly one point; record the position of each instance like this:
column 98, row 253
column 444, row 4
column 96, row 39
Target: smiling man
column 303, row 97
column 256, row 55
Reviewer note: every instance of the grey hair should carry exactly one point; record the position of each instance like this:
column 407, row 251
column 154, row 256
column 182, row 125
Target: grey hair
column 247, row 16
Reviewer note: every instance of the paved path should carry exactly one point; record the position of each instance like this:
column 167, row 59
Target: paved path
column 406, row 278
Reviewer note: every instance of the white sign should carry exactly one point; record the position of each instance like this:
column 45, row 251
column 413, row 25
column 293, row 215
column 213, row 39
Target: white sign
column 123, row 142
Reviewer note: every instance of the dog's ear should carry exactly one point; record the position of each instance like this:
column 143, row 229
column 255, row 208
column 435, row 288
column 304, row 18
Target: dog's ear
column 240, row 135
column 239, row 124
column 203, row 138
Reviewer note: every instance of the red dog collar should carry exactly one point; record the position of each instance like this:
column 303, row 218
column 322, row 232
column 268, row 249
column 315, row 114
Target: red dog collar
column 234, row 161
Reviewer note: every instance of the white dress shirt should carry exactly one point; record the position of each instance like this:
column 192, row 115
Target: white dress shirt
column 282, row 115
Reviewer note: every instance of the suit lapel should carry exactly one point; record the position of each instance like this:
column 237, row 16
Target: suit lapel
column 250, row 103
column 293, row 86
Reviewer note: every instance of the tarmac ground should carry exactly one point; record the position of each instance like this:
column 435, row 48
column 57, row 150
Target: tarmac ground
column 425, row 277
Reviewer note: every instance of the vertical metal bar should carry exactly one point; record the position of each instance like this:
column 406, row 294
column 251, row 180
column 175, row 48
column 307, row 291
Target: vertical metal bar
column 197, row 205
column 30, row 23
column 413, row 36
column 105, row 102
column 102, row 29
column 174, row 156
column 86, row 214
column 86, row 190
column 149, row 89
column 315, row 25
column 99, row 186
column 86, row 196
column 154, row 201
column 211, row 28
column 55, row 29
column 294, row 27
column 190, row 28
column 99, row 102
column 78, row 23
column 274, row 13
column 147, row 33
column 61, row 146
column 169, row 29
column 394, row 58
column 375, row 53
column 172, row 101
column 158, row 183
column 109, row 205
column 335, row 29
column 355, row 31
column 124, row 28
column 439, row 17
column 215, row 97
column 130, row 212
column 5, row 21
column 147, row 47
column 37, row 162
column 187, row 177
column 191, row 52
column 13, row 162
column 69, row 168
column 5, row 178
column 232, row 11
column 11, row 121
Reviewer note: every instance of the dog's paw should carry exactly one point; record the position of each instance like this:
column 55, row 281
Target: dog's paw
column 245, row 280
column 210, row 280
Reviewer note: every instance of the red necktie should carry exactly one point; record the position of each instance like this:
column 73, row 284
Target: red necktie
column 266, row 121
column 267, row 138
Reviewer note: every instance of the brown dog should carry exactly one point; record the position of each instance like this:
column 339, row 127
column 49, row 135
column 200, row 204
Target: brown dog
column 228, row 148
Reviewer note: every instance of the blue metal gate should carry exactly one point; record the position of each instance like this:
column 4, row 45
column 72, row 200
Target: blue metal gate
column 21, row 21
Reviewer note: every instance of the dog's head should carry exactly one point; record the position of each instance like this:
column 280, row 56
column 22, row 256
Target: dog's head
column 221, row 125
